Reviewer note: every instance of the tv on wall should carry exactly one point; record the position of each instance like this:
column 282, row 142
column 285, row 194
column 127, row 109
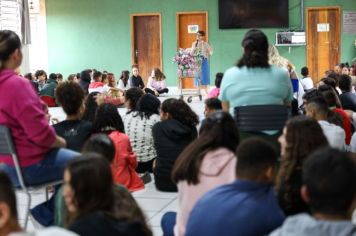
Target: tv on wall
column 253, row 14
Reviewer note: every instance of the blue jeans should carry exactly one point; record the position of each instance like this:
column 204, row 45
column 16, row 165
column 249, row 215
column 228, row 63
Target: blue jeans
column 51, row 168
column 168, row 222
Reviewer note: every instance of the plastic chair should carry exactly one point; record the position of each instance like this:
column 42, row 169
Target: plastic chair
column 257, row 118
column 7, row 148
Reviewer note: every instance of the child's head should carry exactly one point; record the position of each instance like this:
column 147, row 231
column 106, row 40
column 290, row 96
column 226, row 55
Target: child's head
column 157, row 74
column 97, row 76
column 134, row 69
column 132, row 96
column 304, row 71
column 212, row 105
column 329, row 182
column 218, row 78
column 71, row 97
column 88, row 185
column 73, row 78
column 8, row 211
column 345, row 70
column 345, row 83
column 53, row 76
column 219, row 131
column 177, row 109
column 104, row 78
column 101, row 144
column 148, row 104
column 257, row 160
column 41, row 75
column 108, row 119
column 317, row 108
column 59, row 78
column 90, row 107
column 125, row 75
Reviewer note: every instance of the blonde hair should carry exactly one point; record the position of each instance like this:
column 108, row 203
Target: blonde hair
column 275, row 59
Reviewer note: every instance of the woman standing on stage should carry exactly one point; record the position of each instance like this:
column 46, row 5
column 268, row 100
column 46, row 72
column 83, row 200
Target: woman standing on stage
column 202, row 47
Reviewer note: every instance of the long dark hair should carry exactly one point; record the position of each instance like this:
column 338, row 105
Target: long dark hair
column 255, row 44
column 125, row 75
column 9, row 42
column 92, row 183
column 90, row 107
column 147, row 106
column 107, row 119
column 132, row 96
column 180, row 111
column 219, row 130
column 303, row 136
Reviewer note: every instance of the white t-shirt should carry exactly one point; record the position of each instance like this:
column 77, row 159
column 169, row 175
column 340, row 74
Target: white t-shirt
column 334, row 134
column 307, row 83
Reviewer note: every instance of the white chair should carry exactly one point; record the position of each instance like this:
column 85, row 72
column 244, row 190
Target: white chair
column 7, row 148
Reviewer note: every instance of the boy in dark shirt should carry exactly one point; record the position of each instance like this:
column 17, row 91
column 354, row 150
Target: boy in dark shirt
column 74, row 130
column 135, row 79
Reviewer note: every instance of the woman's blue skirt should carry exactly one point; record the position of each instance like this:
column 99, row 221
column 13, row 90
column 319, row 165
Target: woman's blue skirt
column 204, row 74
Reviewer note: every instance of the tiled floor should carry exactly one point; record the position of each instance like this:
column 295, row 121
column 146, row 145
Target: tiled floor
column 153, row 202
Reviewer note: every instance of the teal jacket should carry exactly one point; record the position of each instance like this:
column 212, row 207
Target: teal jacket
column 49, row 88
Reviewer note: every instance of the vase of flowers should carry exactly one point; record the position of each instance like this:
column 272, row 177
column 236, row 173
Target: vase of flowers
column 188, row 62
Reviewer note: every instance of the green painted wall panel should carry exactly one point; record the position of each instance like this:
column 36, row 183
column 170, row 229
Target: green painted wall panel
column 96, row 34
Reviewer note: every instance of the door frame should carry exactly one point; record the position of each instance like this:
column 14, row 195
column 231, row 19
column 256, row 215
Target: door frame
column 189, row 13
column 133, row 34
column 338, row 8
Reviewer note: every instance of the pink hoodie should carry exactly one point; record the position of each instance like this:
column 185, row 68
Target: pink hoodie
column 22, row 111
column 217, row 168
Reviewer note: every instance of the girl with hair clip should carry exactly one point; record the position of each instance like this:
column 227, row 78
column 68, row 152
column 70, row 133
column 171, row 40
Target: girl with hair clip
column 95, row 204
column 301, row 136
column 108, row 121
column 206, row 163
column 138, row 126
column 253, row 81
column 156, row 84
column 175, row 131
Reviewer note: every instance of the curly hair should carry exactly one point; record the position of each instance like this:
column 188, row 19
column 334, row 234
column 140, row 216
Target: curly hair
column 132, row 96
column 107, row 119
column 71, row 96
column 255, row 44
column 179, row 110
column 303, row 136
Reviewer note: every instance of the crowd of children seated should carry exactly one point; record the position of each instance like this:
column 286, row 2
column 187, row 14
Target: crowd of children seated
column 226, row 184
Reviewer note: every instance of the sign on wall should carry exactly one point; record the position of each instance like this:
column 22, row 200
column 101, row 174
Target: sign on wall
column 193, row 29
column 349, row 22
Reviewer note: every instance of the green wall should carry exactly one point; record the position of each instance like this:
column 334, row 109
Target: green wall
column 96, row 34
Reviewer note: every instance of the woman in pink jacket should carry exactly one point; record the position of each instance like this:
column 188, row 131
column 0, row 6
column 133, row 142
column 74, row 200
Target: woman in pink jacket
column 108, row 120
column 205, row 164
column 40, row 151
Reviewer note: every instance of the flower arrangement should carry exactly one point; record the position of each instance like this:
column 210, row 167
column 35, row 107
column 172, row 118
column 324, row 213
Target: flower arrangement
column 188, row 62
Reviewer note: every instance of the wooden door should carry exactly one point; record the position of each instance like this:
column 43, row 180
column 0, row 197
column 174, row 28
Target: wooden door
column 186, row 37
column 323, row 40
column 146, row 43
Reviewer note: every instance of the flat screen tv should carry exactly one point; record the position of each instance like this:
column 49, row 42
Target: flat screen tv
column 253, row 14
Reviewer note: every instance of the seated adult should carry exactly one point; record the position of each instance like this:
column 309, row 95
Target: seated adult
column 247, row 206
column 93, row 202
column 40, row 151
column 347, row 98
column 317, row 108
column 138, row 126
column 156, row 84
column 253, row 81
column 171, row 136
column 74, row 130
column 301, row 136
column 329, row 190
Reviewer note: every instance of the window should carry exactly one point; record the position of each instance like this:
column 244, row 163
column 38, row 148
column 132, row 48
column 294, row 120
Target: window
column 10, row 18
